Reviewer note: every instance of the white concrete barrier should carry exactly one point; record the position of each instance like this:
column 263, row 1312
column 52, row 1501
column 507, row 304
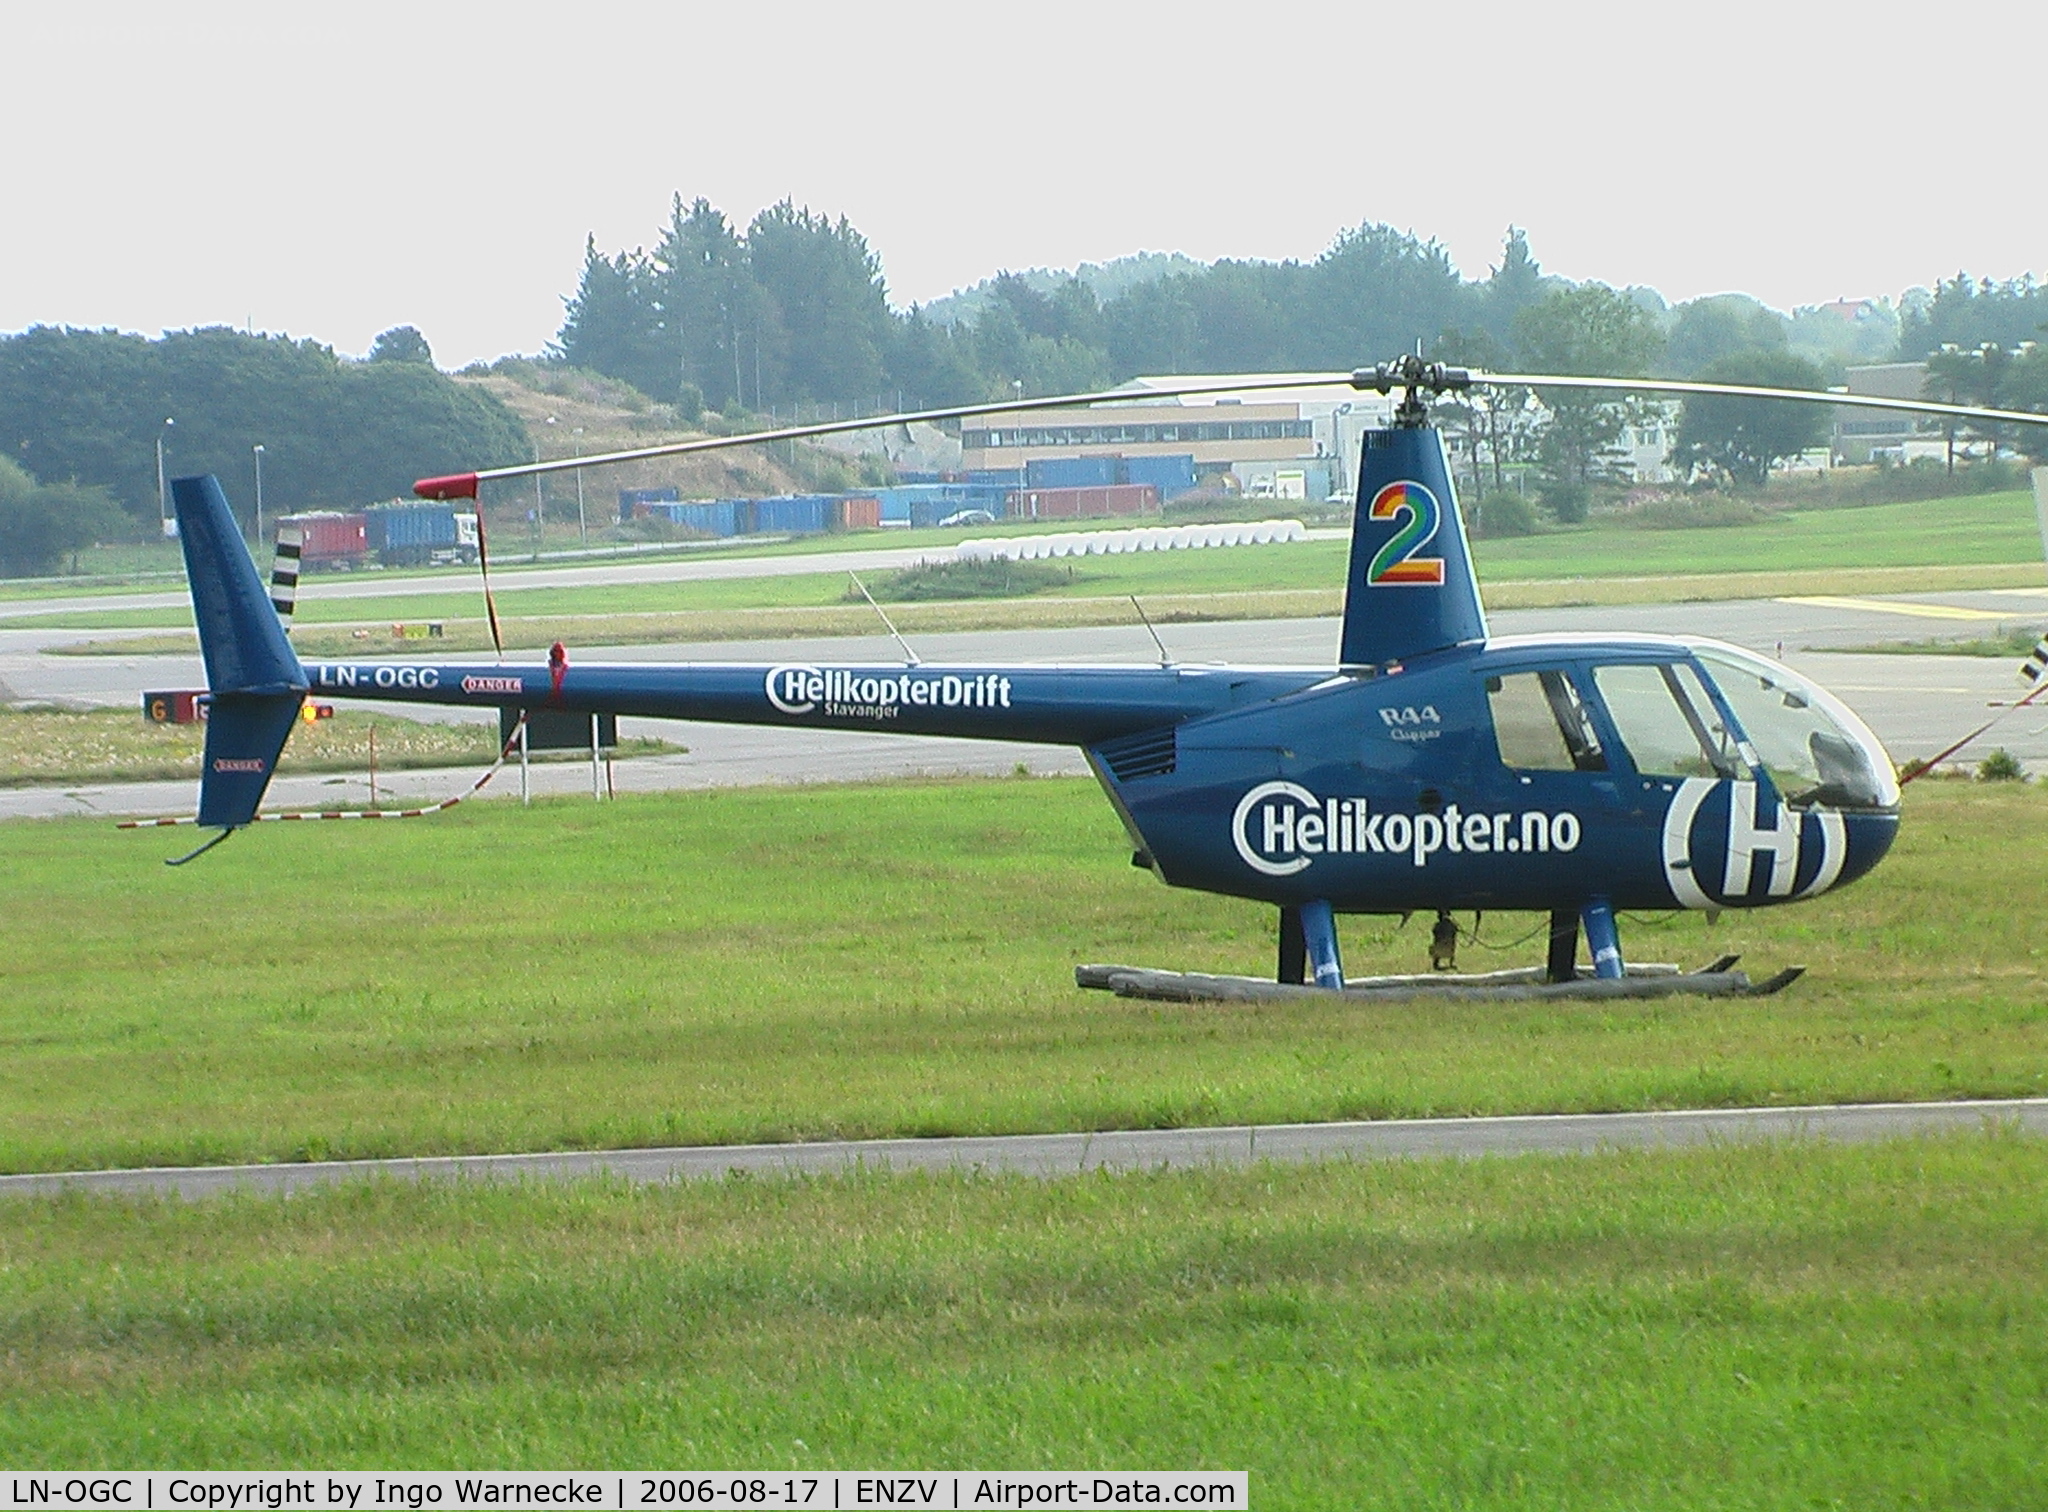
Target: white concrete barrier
column 1036, row 548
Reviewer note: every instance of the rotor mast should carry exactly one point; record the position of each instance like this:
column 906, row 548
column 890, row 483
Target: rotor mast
column 1417, row 378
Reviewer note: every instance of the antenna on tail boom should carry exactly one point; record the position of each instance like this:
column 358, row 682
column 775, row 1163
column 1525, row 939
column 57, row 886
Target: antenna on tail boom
column 909, row 656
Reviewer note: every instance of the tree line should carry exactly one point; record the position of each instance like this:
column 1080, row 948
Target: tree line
column 87, row 408
column 793, row 309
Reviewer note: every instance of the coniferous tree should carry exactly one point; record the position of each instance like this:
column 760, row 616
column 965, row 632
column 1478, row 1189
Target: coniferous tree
column 823, row 287
column 614, row 322
column 705, row 299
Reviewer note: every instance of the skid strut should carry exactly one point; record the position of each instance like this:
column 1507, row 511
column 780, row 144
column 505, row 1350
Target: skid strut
column 1319, row 936
column 1604, row 940
column 1293, row 965
column 1562, row 965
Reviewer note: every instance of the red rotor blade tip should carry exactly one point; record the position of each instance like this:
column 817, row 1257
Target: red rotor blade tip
column 454, row 486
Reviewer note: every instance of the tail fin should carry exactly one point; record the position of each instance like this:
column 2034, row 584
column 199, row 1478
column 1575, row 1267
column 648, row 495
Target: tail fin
column 256, row 681
column 1410, row 588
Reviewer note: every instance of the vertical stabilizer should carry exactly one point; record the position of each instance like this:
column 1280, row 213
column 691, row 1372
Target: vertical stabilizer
column 1410, row 589
column 253, row 676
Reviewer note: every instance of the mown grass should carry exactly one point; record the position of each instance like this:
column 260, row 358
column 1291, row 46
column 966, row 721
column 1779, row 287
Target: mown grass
column 50, row 746
column 1767, row 1327
column 892, row 960
column 2016, row 641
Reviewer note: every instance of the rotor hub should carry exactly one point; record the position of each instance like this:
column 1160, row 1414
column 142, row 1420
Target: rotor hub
column 1417, row 378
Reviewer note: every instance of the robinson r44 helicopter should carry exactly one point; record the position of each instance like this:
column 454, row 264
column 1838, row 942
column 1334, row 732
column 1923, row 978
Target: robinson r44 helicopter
column 1431, row 767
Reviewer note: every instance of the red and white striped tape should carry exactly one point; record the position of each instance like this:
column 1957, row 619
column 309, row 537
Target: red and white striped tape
column 504, row 755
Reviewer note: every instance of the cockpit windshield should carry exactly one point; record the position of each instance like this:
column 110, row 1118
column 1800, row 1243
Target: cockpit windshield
column 1665, row 719
column 1815, row 749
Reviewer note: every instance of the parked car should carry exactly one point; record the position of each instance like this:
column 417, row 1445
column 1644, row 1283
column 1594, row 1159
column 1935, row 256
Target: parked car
column 967, row 517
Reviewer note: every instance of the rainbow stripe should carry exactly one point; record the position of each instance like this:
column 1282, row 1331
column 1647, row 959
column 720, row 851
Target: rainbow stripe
column 1395, row 564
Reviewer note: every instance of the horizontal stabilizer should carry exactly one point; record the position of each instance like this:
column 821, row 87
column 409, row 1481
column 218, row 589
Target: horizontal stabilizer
column 245, row 733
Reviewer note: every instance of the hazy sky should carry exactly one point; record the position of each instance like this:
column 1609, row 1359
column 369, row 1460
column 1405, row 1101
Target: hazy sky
column 331, row 171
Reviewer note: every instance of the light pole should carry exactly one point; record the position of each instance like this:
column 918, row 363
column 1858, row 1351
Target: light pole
column 539, row 506
column 163, row 492
column 257, row 451
column 582, row 527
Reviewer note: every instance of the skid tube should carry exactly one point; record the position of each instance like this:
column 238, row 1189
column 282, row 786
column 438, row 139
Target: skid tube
column 1528, row 984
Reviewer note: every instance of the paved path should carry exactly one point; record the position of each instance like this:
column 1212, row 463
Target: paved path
column 1916, row 704
column 318, row 587
column 1073, row 1154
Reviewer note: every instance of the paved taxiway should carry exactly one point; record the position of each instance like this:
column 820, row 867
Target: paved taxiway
column 1917, row 704
column 1051, row 1155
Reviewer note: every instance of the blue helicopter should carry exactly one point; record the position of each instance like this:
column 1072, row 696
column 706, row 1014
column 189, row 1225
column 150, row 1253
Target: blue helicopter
column 1433, row 768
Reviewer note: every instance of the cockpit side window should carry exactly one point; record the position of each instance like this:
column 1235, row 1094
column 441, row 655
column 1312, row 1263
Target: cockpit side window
column 1540, row 723
column 1668, row 725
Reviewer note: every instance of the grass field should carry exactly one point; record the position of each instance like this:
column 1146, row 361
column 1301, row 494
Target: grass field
column 891, row 960
column 1788, row 1325
column 118, row 745
column 1757, row 1328
column 1982, row 529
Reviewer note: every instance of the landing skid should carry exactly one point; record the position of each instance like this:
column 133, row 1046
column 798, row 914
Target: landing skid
column 1530, row 984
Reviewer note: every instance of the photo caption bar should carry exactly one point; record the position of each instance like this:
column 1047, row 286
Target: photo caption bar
column 622, row 1491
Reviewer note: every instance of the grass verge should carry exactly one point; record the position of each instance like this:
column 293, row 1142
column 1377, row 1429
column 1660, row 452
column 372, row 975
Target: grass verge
column 1780, row 1326
column 892, row 960
column 48, row 746
column 2016, row 641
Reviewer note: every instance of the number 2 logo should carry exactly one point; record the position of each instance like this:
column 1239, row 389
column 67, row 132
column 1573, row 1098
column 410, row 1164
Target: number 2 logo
column 1396, row 564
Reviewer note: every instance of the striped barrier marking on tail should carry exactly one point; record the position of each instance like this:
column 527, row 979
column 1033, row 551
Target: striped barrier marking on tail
column 2036, row 665
column 284, row 574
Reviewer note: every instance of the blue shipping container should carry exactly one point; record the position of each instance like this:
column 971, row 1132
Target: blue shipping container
column 1071, row 472
column 1171, row 475
column 409, row 534
column 718, row 518
column 1004, row 478
column 714, row 517
column 793, row 514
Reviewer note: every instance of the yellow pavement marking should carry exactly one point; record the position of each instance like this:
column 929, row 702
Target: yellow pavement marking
column 1894, row 606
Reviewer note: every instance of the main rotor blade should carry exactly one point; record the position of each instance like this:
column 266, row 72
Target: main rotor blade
column 464, row 485
column 1753, row 391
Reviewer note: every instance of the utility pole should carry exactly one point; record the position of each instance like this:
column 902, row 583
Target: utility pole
column 539, row 505
column 258, row 451
column 582, row 526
